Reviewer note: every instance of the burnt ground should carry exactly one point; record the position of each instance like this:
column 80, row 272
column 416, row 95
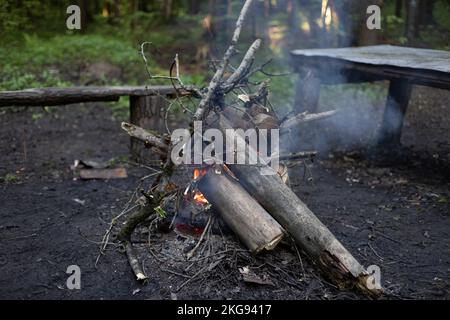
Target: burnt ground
column 388, row 210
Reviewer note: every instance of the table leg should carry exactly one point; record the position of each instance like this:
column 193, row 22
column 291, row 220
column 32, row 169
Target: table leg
column 307, row 92
column 396, row 105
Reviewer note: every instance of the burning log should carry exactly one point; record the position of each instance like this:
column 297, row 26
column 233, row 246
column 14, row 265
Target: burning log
column 243, row 214
column 312, row 236
column 309, row 232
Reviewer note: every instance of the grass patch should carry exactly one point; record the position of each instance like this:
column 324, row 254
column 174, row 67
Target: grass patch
column 10, row 178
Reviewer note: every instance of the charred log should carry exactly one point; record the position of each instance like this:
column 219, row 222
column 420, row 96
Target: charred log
column 245, row 216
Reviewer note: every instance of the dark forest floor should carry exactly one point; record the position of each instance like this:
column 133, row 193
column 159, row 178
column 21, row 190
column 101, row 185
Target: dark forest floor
column 393, row 212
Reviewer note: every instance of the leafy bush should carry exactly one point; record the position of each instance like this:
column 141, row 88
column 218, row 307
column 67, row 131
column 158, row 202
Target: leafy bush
column 39, row 62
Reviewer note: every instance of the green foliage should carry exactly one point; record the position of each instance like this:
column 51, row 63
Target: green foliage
column 282, row 87
column 53, row 62
column 118, row 161
column 36, row 49
column 394, row 28
column 372, row 93
column 15, row 78
column 10, row 178
column 441, row 13
column 13, row 16
column 75, row 49
column 193, row 79
column 161, row 212
column 37, row 116
column 121, row 109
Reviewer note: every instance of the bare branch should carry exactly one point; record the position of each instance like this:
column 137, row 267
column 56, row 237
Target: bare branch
column 264, row 72
column 305, row 117
column 134, row 262
column 243, row 67
column 148, row 137
column 215, row 82
column 298, row 155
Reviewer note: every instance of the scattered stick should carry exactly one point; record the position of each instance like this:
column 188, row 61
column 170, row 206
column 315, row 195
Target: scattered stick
column 151, row 139
column 135, row 219
column 134, row 262
column 205, row 231
column 305, row 117
column 298, row 155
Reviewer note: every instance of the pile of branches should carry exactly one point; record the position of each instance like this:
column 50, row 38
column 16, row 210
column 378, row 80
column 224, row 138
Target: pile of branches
column 263, row 209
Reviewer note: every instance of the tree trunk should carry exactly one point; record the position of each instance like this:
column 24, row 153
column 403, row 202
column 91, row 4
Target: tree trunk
column 86, row 15
column 146, row 112
column 134, row 7
column 425, row 12
column 411, row 20
column 291, row 8
column 398, row 8
column 167, row 9
column 193, row 7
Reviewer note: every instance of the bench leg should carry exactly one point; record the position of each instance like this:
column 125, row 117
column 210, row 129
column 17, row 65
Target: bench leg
column 307, row 92
column 148, row 113
column 394, row 113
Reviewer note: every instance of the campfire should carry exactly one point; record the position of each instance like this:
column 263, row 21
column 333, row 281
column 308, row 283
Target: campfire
column 198, row 197
column 253, row 199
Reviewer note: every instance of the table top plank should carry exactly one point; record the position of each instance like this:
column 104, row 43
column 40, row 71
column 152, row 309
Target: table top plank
column 385, row 55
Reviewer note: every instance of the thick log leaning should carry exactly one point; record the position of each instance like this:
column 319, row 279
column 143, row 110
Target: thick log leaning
column 244, row 215
column 311, row 235
column 308, row 231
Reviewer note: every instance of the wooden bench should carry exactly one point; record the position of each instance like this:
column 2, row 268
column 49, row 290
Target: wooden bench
column 402, row 66
column 147, row 104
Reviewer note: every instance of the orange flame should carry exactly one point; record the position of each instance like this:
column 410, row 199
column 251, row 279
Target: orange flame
column 199, row 198
column 198, row 173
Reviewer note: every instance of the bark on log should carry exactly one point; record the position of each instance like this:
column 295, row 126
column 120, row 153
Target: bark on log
column 151, row 139
column 134, row 261
column 265, row 121
column 63, row 96
column 308, row 231
column 146, row 112
column 245, row 216
column 239, row 117
column 303, row 118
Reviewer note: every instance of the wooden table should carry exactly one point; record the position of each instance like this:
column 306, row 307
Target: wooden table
column 402, row 66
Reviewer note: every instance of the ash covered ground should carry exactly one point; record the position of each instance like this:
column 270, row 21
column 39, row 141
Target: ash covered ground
column 389, row 209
